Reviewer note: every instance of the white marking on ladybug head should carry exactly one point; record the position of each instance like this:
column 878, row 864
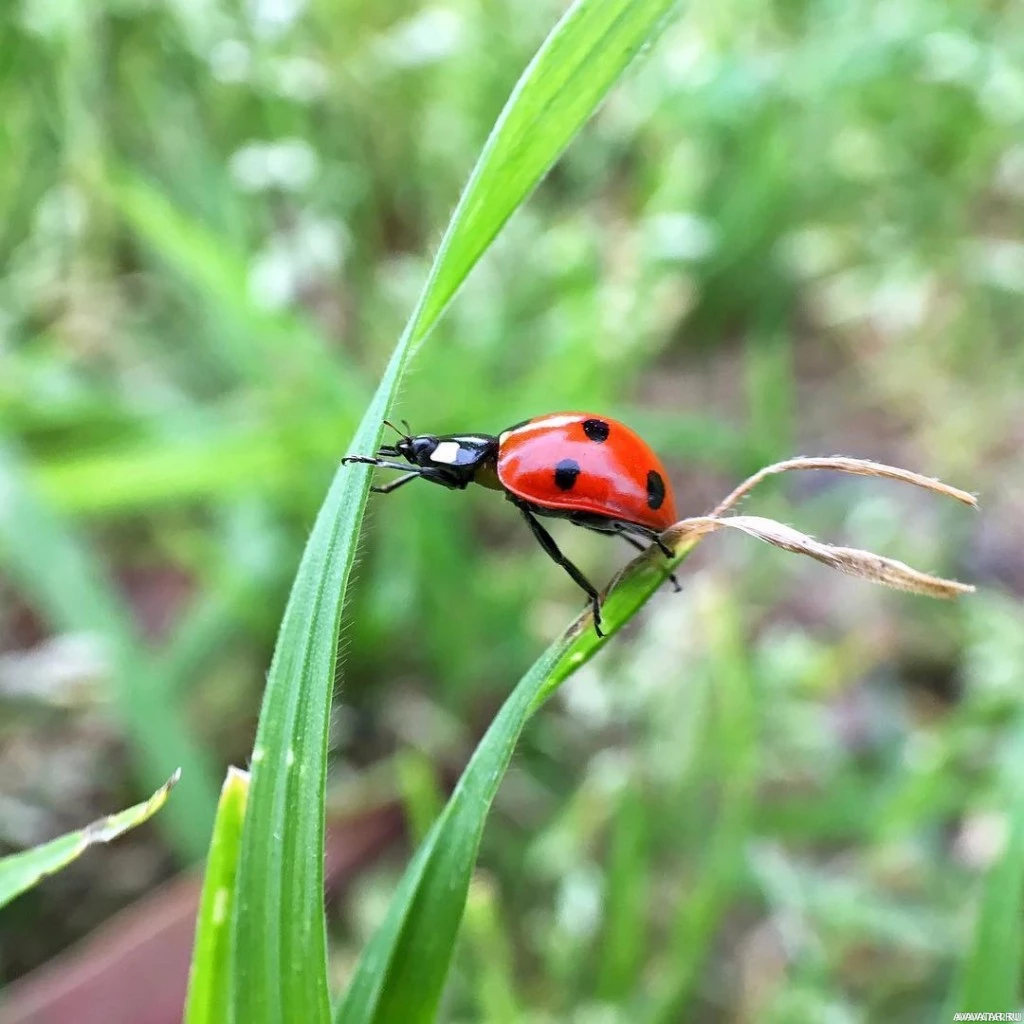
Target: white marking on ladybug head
column 447, row 452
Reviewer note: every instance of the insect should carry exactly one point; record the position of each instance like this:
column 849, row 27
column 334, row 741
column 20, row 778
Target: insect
column 589, row 469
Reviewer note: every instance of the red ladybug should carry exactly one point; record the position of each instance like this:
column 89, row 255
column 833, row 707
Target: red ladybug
column 589, row 469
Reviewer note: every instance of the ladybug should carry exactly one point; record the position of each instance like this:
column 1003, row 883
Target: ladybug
column 589, row 469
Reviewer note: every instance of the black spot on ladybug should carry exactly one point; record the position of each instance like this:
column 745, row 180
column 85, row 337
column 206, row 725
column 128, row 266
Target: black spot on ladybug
column 565, row 474
column 655, row 489
column 596, row 430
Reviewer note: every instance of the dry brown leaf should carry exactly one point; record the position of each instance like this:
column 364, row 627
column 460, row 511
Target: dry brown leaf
column 865, row 565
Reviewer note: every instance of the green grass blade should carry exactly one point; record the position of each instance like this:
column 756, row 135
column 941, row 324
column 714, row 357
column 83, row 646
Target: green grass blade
column 55, row 569
column 577, row 64
column 21, row 871
column 280, row 945
column 403, row 969
column 624, row 939
column 209, row 985
column 990, row 976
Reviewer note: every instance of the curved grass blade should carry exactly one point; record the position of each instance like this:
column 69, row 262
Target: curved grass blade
column 403, row 969
column 280, row 946
column 209, row 983
column 20, row 872
column 401, row 975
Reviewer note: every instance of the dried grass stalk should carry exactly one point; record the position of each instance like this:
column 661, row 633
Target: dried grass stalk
column 842, row 464
column 865, row 565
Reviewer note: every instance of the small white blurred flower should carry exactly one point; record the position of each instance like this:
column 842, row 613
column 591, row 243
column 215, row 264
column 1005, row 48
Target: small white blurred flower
column 843, row 297
column 982, row 839
column 681, row 237
column 273, row 279
column 50, row 18
column 579, row 901
column 998, row 262
column 948, row 57
column 230, row 61
column 289, row 164
column 688, row 59
column 897, row 303
column 1001, row 96
column 900, row 302
column 812, row 250
column 248, row 166
column 272, row 18
column 293, row 261
column 292, row 164
column 428, row 37
column 1010, row 172
column 62, row 213
column 587, row 698
column 323, row 242
column 299, row 78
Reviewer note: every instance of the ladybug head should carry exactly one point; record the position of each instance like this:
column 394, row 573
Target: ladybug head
column 415, row 449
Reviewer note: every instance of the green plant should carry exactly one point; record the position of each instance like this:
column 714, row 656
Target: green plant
column 20, row 871
column 276, row 970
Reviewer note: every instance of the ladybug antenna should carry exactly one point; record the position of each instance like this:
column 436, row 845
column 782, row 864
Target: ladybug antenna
column 405, row 423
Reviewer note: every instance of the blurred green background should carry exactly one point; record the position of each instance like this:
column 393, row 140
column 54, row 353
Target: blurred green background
column 795, row 229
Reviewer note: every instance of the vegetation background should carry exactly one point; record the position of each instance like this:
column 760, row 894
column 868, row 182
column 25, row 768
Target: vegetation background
column 795, row 228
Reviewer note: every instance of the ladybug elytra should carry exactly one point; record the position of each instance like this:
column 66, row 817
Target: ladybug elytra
column 589, row 469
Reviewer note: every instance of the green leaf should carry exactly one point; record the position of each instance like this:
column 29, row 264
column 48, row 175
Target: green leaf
column 402, row 972
column 578, row 63
column 21, row 871
column 209, row 986
column 990, row 975
column 280, row 945
column 624, row 939
column 55, row 569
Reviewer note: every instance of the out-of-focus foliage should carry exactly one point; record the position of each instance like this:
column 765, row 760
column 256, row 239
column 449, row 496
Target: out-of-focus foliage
column 19, row 872
column 796, row 229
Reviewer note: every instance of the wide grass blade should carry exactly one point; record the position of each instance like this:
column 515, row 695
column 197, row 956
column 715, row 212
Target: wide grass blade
column 209, row 985
column 21, row 871
column 403, row 969
column 280, row 970
column 578, row 63
column 401, row 975
column 990, row 977
column 55, row 569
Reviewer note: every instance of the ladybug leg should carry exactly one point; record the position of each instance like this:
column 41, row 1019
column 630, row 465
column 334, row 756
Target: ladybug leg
column 369, row 460
column 395, row 484
column 547, row 542
column 643, row 547
column 434, row 476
